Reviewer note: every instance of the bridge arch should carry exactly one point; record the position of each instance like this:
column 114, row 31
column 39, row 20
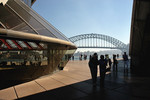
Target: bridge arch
column 94, row 38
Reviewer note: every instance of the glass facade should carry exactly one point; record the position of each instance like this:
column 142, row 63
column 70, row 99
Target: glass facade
column 24, row 59
column 36, row 61
column 26, row 20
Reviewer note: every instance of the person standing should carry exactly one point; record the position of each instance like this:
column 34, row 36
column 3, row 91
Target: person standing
column 126, row 60
column 73, row 58
column 93, row 62
column 106, row 58
column 90, row 57
column 108, row 62
column 115, row 63
column 102, row 66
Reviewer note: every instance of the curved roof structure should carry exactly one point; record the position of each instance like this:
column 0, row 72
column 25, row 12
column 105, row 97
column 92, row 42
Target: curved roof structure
column 26, row 20
column 30, row 46
column 32, row 37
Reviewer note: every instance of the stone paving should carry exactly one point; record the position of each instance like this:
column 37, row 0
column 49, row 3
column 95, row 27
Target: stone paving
column 74, row 83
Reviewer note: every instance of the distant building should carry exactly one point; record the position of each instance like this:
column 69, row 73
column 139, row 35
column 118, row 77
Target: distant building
column 30, row 47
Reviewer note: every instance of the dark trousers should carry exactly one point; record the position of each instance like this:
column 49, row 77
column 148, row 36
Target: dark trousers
column 93, row 70
column 115, row 66
column 102, row 77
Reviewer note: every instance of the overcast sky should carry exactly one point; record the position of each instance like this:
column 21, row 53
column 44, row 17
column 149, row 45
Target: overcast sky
column 75, row 17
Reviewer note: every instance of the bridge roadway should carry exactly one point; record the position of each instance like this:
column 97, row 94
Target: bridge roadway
column 74, row 83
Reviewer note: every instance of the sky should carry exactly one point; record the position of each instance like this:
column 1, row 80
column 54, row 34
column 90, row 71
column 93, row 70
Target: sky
column 76, row 17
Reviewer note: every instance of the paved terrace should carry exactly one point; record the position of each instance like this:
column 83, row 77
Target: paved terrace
column 74, row 83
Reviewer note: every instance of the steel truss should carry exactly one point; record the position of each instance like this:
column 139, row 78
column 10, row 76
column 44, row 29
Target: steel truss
column 98, row 41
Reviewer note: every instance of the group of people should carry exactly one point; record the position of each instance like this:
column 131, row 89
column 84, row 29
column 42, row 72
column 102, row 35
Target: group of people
column 104, row 65
column 93, row 63
column 85, row 57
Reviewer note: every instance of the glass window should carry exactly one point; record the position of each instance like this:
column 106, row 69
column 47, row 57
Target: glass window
column 11, row 44
column 22, row 44
column 33, row 45
column 28, row 2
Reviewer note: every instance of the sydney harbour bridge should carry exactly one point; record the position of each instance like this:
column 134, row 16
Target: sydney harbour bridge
column 94, row 40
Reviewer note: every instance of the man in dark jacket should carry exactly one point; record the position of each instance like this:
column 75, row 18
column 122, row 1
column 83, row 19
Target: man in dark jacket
column 102, row 66
column 93, row 67
column 126, row 60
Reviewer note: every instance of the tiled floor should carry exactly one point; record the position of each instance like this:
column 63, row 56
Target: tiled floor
column 74, row 83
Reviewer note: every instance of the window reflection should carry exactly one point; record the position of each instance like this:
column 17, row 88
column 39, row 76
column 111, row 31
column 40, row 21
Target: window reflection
column 27, row 58
column 22, row 58
column 66, row 57
column 35, row 61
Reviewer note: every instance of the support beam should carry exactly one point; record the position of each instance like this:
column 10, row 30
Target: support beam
column 39, row 46
column 19, row 47
column 27, row 44
column 4, row 41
